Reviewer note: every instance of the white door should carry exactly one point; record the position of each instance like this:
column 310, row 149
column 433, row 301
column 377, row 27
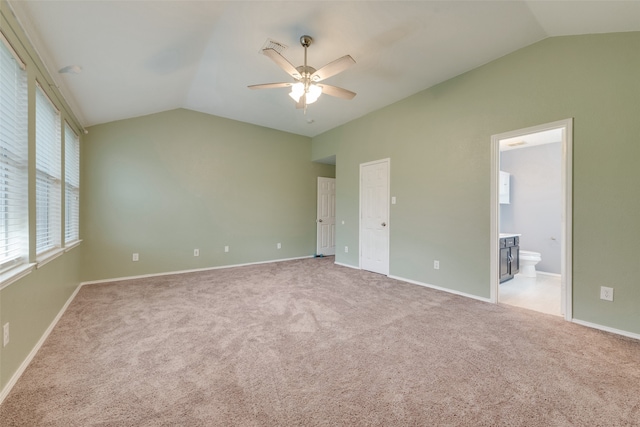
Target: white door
column 326, row 227
column 374, row 216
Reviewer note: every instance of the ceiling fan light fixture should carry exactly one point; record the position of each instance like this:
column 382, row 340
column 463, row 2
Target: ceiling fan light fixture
column 313, row 94
column 297, row 90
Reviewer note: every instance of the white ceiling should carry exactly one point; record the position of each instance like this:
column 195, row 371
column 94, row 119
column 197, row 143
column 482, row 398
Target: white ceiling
column 142, row 57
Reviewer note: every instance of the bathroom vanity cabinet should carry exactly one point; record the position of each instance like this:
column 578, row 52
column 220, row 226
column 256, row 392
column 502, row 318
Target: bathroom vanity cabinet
column 509, row 256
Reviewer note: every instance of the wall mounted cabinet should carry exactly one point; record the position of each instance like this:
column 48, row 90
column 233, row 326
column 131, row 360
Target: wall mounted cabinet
column 504, row 189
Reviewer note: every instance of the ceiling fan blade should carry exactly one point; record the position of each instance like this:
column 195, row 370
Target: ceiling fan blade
column 270, row 85
column 333, row 68
column 282, row 62
column 337, row 91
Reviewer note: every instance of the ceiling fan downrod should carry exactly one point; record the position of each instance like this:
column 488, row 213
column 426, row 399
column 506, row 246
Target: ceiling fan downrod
column 306, row 41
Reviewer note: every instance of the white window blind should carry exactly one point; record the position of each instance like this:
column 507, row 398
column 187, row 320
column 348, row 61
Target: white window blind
column 13, row 159
column 48, row 174
column 71, row 185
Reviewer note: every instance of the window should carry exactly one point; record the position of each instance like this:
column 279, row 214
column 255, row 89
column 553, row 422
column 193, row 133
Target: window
column 13, row 159
column 71, row 185
column 48, row 175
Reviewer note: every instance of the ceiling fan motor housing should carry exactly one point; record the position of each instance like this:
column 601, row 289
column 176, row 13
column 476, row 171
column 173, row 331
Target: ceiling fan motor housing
column 306, row 71
column 306, row 41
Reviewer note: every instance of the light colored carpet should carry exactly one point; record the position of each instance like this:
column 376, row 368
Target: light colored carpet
column 309, row 343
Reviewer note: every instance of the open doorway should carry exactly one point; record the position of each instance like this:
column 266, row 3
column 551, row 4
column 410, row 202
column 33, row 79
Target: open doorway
column 531, row 218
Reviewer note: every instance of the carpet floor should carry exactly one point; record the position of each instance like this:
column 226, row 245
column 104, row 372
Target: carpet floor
column 309, row 343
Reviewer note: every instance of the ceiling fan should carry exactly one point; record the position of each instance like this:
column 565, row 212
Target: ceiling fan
column 306, row 88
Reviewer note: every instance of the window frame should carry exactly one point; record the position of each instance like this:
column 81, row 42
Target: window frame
column 12, row 270
column 14, row 171
column 71, row 186
column 48, row 177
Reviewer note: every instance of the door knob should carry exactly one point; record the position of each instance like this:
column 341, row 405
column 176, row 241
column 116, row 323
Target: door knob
column 384, row 224
column 320, row 220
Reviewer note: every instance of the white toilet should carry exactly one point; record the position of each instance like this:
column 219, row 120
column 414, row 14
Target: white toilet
column 528, row 261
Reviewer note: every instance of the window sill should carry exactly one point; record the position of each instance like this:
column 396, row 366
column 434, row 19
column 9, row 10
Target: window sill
column 72, row 245
column 49, row 256
column 15, row 274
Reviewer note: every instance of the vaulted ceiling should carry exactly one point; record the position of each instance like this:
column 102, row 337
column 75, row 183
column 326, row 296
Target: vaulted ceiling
column 141, row 57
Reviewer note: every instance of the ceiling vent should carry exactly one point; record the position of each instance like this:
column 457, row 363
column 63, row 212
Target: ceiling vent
column 272, row 44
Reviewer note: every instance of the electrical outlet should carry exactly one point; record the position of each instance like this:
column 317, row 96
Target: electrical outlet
column 226, row 248
column 196, row 252
column 436, row 265
column 279, row 246
column 5, row 334
column 606, row 293
column 136, row 257
column 346, row 249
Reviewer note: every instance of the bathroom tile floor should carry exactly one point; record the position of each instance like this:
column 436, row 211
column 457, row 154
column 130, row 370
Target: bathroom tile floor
column 541, row 293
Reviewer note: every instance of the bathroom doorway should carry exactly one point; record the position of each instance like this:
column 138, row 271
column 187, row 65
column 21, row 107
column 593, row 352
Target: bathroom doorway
column 531, row 218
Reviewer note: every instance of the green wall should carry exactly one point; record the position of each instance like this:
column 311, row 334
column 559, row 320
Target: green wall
column 31, row 304
column 165, row 184
column 439, row 145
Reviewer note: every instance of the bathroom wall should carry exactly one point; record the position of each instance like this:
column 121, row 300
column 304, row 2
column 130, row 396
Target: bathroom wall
column 535, row 208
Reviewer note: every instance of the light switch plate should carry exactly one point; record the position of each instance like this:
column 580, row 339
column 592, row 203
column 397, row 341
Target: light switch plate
column 5, row 334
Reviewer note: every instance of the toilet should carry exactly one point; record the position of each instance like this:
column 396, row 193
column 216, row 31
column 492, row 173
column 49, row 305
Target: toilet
column 528, row 261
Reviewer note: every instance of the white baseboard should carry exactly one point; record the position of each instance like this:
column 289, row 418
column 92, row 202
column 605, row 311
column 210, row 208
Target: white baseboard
column 607, row 329
column 426, row 285
column 346, row 265
column 195, row 270
column 451, row 291
column 579, row 322
column 23, row 366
